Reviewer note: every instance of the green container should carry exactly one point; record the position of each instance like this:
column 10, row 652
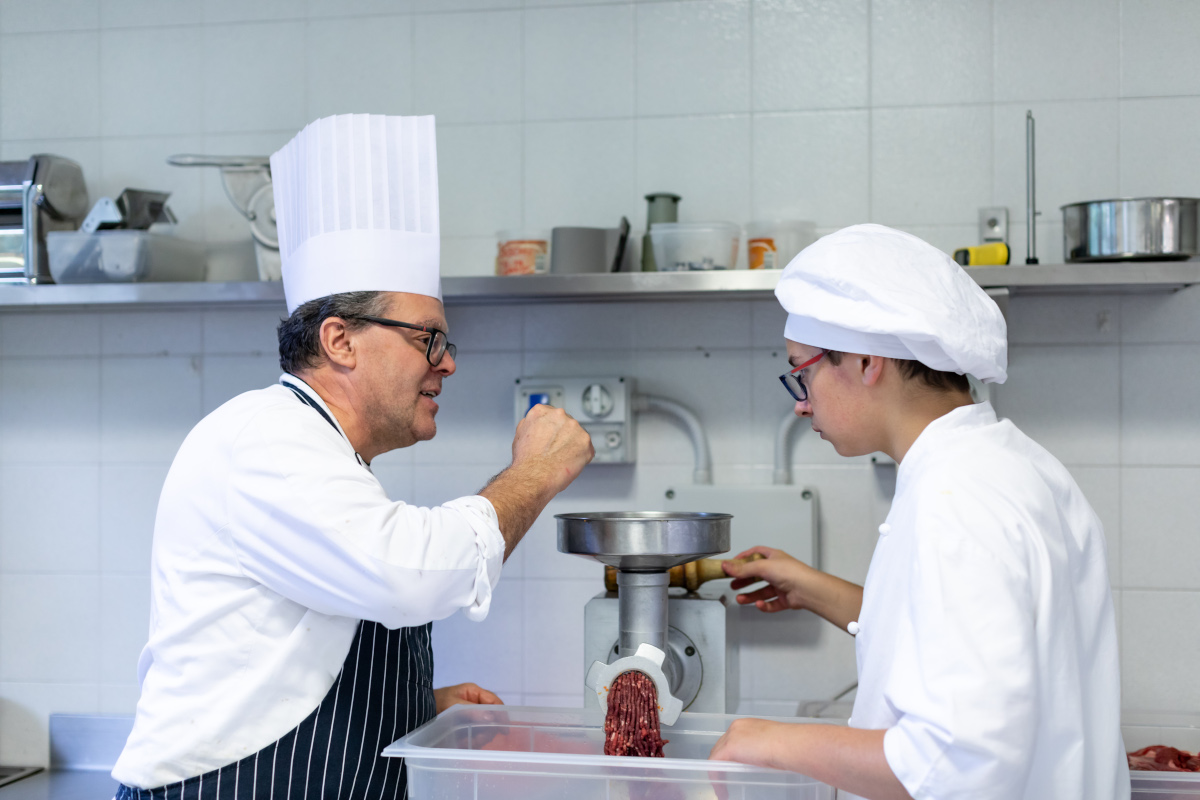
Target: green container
column 661, row 207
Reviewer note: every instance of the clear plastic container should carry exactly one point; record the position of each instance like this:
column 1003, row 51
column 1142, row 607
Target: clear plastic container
column 1142, row 729
column 683, row 246
column 521, row 753
column 122, row 256
column 771, row 244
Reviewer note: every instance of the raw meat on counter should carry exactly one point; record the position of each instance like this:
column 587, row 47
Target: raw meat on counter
column 1160, row 758
column 631, row 727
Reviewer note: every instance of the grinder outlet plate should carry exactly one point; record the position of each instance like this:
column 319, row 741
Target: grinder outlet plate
column 648, row 660
column 644, row 541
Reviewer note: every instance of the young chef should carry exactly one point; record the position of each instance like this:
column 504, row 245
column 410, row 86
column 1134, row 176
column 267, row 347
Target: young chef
column 985, row 636
column 291, row 599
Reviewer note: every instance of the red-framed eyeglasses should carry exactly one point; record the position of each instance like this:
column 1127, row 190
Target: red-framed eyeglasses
column 791, row 379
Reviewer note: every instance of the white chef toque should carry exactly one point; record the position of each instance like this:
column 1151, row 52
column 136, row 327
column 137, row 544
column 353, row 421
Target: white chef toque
column 878, row 291
column 356, row 206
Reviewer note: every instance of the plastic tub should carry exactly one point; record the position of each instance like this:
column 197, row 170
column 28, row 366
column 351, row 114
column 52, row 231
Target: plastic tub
column 122, row 256
column 521, row 252
column 682, row 246
column 771, row 244
column 1141, row 729
column 511, row 752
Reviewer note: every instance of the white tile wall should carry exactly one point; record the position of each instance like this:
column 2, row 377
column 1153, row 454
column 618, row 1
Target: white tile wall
column 578, row 173
column 579, row 62
column 564, row 112
column 471, row 66
column 1033, row 64
column 251, row 79
column 813, row 166
column 377, row 78
column 64, row 15
column 807, row 54
column 931, row 165
column 931, row 53
column 693, row 57
column 1155, row 60
column 166, row 63
column 71, row 77
column 669, row 149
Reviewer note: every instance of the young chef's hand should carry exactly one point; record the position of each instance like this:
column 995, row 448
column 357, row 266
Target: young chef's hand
column 785, row 577
column 463, row 694
column 793, row 584
column 748, row 741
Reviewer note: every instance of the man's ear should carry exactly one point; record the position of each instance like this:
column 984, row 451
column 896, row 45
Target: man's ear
column 337, row 343
column 872, row 369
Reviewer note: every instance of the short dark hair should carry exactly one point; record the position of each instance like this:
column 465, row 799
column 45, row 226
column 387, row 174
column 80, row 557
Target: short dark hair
column 915, row 370
column 300, row 333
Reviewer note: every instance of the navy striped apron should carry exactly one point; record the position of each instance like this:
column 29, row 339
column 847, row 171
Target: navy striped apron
column 385, row 690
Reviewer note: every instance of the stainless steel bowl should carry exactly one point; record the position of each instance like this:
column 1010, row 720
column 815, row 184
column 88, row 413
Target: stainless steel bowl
column 1131, row 229
column 644, row 540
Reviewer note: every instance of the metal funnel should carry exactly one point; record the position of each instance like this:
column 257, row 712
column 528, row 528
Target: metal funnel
column 643, row 541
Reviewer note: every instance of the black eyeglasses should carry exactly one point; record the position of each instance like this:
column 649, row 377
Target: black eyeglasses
column 437, row 347
column 791, row 379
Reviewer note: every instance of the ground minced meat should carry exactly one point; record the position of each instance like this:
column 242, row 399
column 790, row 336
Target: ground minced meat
column 631, row 727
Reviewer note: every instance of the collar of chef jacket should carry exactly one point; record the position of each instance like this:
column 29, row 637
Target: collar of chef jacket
column 309, row 397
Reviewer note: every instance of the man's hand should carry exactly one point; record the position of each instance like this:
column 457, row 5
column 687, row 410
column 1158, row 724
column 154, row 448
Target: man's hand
column 552, row 442
column 549, row 451
column 792, row 584
column 464, row 694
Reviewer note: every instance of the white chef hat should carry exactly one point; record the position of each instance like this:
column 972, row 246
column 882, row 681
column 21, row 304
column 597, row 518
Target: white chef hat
column 356, row 206
column 874, row 290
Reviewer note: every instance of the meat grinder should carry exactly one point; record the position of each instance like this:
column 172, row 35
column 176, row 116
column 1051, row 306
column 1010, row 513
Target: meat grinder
column 678, row 641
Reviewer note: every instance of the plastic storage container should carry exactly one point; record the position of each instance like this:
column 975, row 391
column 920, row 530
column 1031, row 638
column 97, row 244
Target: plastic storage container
column 772, row 244
column 122, row 256
column 681, row 246
column 516, row 753
column 1175, row 730
column 522, row 252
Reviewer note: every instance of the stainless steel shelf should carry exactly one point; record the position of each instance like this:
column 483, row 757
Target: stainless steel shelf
column 632, row 286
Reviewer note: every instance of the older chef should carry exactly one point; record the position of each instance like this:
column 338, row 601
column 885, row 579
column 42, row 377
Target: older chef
column 986, row 642
column 292, row 600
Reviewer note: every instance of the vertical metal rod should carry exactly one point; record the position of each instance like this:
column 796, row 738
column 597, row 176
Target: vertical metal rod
column 1030, row 202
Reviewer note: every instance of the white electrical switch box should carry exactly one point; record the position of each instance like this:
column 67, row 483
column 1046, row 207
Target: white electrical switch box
column 603, row 406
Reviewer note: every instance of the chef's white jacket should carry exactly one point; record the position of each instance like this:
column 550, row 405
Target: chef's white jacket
column 272, row 540
column 987, row 643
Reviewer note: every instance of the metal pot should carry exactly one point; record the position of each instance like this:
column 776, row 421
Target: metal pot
column 1133, row 228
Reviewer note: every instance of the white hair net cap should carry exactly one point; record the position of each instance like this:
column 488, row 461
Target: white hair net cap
column 878, row 291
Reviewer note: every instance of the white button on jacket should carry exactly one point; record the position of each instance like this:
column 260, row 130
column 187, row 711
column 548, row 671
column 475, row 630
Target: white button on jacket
column 988, row 645
column 272, row 541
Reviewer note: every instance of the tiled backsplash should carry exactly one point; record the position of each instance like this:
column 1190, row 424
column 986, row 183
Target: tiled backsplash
column 94, row 404
column 904, row 112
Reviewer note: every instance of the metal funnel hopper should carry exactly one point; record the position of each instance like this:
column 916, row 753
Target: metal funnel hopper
column 644, row 541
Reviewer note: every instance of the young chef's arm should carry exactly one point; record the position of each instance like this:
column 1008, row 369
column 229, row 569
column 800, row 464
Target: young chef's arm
column 549, row 451
column 848, row 758
column 793, row 584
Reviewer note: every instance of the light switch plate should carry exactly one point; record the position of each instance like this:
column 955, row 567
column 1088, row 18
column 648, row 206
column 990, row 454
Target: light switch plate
column 993, row 224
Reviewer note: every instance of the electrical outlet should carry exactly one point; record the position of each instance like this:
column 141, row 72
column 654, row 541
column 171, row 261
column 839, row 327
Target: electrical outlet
column 603, row 406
